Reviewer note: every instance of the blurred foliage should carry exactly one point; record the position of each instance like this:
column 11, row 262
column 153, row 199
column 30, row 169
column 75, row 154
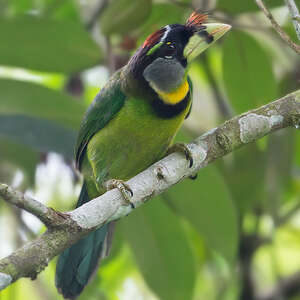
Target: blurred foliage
column 114, row 19
column 232, row 232
column 154, row 233
column 43, row 42
column 234, row 7
column 33, row 100
column 240, row 50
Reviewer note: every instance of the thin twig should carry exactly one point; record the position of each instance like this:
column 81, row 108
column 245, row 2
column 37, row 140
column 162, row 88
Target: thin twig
column 228, row 19
column 277, row 27
column 47, row 215
column 283, row 219
column 96, row 15
column 111, row 58
column 222, row 105
column 295, row 15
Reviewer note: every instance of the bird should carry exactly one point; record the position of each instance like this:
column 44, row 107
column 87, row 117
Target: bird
column 130, row 125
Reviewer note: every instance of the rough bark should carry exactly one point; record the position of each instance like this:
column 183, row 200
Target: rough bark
column 64, row 229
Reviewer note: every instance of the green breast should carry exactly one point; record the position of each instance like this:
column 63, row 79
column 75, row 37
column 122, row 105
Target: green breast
column 133, row 140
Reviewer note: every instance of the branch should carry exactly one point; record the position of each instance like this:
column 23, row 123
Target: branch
column 295, row 15
column 47, row 215
column 277, row 27
column 65, row 229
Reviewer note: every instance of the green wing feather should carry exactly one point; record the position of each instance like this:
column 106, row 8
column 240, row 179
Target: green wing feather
column 105, row 106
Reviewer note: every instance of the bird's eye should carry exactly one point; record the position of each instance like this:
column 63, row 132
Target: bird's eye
column 170, row 51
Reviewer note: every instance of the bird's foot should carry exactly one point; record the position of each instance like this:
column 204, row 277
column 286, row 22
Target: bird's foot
column 123, row 187
column 183, row 148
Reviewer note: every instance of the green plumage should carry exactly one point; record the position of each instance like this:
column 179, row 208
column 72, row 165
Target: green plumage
column 106, row 104
column 129, row 126
column 120, row 136
column 76, row 264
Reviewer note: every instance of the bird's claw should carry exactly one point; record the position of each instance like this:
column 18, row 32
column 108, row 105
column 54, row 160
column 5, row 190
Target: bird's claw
column 123, row 187
column 183, row 148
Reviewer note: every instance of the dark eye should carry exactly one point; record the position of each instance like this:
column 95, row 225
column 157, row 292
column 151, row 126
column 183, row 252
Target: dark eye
column 170, row 51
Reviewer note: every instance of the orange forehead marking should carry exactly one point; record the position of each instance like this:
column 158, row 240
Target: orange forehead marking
column 196, row 19
column 154, row 38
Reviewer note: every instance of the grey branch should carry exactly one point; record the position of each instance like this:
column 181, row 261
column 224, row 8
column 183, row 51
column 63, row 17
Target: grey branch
column 47, row 215
column 295, row 15
column 277, row 27
column 66, row 229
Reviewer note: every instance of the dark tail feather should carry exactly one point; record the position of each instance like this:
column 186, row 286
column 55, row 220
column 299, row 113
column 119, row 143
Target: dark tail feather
column 76, row 265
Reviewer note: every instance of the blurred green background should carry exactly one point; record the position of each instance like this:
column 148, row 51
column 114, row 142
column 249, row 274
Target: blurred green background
column 234, row 233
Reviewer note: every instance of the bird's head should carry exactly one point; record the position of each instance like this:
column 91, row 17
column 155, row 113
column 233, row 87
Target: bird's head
column 162, row 61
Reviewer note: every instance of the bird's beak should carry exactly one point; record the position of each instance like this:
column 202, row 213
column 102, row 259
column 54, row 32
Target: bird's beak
column 203, row 38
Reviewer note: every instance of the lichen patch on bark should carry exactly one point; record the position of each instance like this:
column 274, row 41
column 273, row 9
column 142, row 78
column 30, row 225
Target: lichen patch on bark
column 276, row 120
column 253, row 126
column 5, row 280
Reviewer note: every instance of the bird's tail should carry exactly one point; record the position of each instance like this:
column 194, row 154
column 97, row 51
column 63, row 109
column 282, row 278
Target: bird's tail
column 76, row 264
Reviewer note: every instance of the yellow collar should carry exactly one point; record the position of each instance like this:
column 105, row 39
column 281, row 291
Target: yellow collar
column 175, row 96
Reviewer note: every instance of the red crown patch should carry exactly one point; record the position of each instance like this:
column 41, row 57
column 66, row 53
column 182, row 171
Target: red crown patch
column 154, row 38
column 196, row 19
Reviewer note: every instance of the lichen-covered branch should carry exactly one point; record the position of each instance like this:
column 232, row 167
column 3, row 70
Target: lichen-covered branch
column 277, row 27
column 47, row 215
column 65, row 229
column 295, row 15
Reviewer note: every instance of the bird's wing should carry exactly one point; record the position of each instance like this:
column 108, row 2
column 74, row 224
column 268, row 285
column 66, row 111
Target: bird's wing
column 104, row 107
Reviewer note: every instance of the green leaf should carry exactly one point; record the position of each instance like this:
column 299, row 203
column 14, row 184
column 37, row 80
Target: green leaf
column 56, row 9
column 236, row 7
column 161, row 14
column 247, row 72
column 19, row 6
column 206, row 203
column 38, row 134
column 21, row 156
column 161, row 249
column 121, row 16
column 61, row 10
column 46, row 45
column 117, row 267
column 279, row 159
column 244, row 176
column 215, row 219
column 297, row 149
column 24, row 98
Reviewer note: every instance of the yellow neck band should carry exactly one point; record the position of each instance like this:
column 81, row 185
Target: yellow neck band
column 175, row 96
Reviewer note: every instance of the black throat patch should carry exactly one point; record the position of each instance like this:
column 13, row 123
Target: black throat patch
column 168, row 111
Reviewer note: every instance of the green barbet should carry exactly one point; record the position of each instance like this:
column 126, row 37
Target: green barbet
column 130, row 125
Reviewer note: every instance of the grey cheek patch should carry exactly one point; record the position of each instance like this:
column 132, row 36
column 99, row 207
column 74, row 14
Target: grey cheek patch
column 164, row 74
